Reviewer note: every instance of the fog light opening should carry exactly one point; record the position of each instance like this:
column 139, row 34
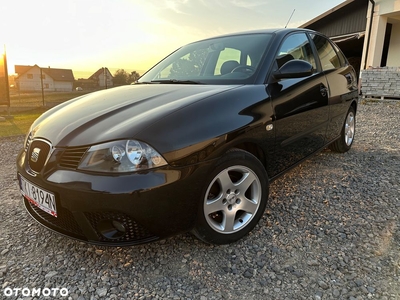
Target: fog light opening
column 111, row 229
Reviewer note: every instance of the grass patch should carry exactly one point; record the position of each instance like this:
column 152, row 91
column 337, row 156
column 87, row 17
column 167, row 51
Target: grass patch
column 36, row 99
column 32, row 104
column 20, row 122
column 27, row 107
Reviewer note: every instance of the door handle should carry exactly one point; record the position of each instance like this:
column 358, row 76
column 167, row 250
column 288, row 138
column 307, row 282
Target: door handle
column 324, row 90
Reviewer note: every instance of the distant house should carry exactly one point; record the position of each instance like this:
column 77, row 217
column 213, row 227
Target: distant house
column 34, row 78
column 103, row 78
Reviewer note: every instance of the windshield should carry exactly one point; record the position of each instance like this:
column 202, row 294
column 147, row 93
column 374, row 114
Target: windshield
column 224, row 60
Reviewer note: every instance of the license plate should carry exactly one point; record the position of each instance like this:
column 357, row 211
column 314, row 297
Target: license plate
column 39, row 197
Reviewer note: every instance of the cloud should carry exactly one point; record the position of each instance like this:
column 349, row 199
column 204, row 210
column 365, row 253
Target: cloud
column 248, row 4
column 134, row 33
column 176, row 5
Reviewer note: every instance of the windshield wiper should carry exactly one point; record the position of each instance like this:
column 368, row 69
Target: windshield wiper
column 143, row 82
column 175, row 81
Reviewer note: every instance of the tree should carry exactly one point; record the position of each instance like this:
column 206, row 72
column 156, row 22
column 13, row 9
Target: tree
column 189, row 65
column 120, row 77
column 133, row 76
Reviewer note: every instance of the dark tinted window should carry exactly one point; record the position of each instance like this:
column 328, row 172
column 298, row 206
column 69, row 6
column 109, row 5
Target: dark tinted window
column 327, row 54
column 343, row 59
column 295, row 46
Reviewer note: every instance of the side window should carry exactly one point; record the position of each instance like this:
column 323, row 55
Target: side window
column 296, row 46
column 343, row 59
column 327, row 54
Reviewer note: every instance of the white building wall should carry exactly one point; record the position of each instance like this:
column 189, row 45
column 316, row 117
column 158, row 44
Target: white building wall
column 30, row 81
column 105, row 79
column 394, row 50
column 377, row 41
column 48, row 83
column 388, row 6
column 385, row 11
column 63, row 86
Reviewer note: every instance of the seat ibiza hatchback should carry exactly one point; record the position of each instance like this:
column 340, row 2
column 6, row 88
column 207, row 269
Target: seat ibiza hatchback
column 193, row 144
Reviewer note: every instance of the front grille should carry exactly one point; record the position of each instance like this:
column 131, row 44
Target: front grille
column 72, row 156
column 64, row 221
column 37, row 154
column 28, row 141
column 134, row 231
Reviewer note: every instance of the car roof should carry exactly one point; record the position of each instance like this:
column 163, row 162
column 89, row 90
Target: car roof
column 271, row 30
column 278, row 31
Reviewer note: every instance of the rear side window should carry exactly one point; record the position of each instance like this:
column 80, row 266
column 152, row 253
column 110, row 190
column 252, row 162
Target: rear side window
column 327, row 54
column 343, row 59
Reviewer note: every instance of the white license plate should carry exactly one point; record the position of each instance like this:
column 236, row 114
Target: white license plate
column 43, row 199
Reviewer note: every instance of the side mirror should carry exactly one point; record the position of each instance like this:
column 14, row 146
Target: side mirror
column 295, row 68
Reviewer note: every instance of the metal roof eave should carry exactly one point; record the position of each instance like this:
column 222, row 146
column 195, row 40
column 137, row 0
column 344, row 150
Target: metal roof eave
column 327, row 13
column 348, row 37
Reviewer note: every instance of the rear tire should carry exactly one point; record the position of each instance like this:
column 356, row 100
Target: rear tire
column 343, row 144
column 233, row 199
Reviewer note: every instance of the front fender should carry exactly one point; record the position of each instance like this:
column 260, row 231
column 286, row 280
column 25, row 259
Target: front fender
column 205, row 129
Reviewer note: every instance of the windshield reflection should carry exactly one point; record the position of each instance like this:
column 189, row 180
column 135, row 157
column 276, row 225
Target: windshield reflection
column 230, row 59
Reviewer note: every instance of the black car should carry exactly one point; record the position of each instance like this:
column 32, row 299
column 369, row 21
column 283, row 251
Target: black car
column 194, row 144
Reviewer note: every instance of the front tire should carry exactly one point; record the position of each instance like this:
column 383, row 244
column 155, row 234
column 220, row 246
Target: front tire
column 233, row 199
column 343, row 144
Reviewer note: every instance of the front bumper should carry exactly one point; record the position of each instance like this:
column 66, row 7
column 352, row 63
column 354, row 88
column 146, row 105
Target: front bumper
column 118, row 209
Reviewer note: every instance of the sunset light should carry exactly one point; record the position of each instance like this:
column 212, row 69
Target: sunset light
column 131, row 34
column 200, row 149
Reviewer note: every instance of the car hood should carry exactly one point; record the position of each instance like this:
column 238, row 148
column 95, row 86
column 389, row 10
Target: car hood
column 117, row 113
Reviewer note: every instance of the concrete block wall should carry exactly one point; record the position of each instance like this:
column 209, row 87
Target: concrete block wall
column 381, row 82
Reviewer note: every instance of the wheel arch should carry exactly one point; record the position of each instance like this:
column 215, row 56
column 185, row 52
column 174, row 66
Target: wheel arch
column 255, row 150
column 354, row 104
column 236, row 158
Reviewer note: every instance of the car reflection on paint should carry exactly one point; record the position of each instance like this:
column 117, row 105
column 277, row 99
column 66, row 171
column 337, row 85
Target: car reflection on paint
column 194, row 144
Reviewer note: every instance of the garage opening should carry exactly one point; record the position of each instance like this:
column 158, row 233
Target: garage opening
column 386, row 44
column 352, row 47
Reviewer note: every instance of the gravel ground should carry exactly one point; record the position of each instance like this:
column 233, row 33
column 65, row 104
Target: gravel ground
column 331, row 231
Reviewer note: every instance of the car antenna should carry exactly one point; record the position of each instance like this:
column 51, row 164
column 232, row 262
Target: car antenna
column 290, row 18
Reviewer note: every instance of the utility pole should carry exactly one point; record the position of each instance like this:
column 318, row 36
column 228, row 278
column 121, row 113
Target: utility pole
column 41, row 82
column 4, row 84
column 105, row 77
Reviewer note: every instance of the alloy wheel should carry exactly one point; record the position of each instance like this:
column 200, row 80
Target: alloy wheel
column 232, row 199
column 349, row 129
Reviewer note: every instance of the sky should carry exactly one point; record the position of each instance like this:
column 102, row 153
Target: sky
column 85, row 35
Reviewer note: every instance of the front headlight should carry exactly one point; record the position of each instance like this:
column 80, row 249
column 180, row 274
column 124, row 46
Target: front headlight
column 121, row 156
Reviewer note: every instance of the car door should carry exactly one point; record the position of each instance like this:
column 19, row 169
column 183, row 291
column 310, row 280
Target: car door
column 300, row 105
column 341, row 80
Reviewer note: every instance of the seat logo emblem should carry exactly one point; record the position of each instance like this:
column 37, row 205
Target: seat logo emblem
column 35, row 155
